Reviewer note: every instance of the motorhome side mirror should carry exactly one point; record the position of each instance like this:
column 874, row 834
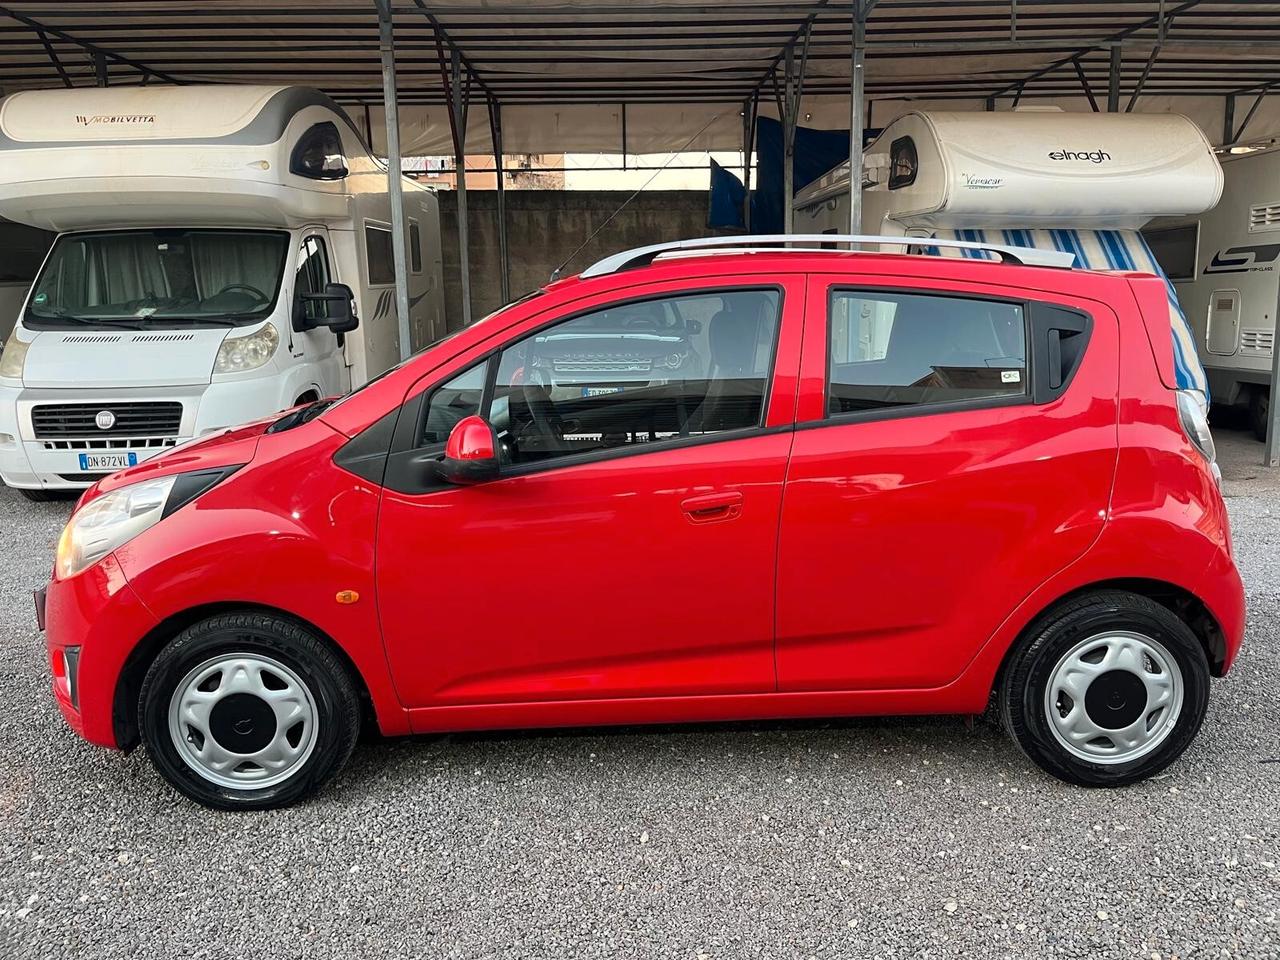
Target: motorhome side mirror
column 337, row 311
column 471, row 453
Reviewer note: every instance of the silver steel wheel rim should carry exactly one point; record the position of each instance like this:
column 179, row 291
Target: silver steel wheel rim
column 202, row 710
column 1104, row 663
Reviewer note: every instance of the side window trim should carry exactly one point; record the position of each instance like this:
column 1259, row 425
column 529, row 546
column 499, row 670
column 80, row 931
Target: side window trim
column 1027, row 397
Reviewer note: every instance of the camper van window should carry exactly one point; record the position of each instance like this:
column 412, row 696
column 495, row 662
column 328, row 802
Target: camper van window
column 318, row 155
column 150, row 278
column 903, row 163
column 1174, row 249
column 377, row 248
column 415, row 248
column 891, row 350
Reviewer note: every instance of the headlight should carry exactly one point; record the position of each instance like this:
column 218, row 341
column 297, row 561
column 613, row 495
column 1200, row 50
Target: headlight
column 109, row 522
column 238, row 354
column 14, row 357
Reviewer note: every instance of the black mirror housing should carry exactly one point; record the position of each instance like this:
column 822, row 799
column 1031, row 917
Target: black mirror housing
column 339, row 313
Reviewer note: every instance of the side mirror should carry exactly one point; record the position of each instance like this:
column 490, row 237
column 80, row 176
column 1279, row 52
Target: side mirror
column 471, row 453
column 337, row 309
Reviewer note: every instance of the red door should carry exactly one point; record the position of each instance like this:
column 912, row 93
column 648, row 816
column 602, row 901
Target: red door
column 628, row 549
column 938, row 475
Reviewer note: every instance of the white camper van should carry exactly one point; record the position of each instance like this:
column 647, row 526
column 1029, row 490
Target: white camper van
column 1082, row 183
column 223, row 252
column 1225, row 265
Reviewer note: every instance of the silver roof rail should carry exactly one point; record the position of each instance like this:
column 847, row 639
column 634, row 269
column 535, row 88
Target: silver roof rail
column 641, row 256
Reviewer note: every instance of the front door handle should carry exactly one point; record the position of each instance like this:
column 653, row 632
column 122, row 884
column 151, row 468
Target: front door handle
column 711, row 507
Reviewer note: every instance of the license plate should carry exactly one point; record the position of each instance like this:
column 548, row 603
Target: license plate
column 106, row 462
column 599, row 391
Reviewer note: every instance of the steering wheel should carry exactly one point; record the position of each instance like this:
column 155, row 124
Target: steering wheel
column 244, row 288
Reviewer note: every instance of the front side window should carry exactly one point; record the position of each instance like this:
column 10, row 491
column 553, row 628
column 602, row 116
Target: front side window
column 624, row 376
column 312, row 277
column 147, row 278
column 898, row 349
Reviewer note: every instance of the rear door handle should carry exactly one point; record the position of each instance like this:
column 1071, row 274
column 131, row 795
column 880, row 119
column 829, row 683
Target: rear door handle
column 711, row 507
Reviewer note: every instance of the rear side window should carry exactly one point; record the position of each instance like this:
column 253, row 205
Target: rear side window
column 903, row 349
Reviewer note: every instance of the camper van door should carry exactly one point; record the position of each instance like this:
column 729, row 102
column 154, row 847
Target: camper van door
column 312, row 342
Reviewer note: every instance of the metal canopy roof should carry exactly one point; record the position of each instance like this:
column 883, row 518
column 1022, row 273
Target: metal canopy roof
column 675, row 51
column 560, row 53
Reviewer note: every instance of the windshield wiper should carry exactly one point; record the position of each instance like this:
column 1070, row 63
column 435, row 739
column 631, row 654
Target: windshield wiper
column 213, row 321
column 99, row 323
column 300, row 416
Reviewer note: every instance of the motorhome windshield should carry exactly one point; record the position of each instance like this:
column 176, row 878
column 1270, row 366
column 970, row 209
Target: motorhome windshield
column 158, row 278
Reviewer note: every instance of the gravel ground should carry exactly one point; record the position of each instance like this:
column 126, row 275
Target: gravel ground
column 895, row 838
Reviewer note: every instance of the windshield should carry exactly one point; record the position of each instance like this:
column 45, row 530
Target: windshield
column 153, row 278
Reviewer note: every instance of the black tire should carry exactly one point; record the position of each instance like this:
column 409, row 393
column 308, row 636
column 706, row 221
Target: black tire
column 1021, row 697
column 1259, row 413
column 325, row 676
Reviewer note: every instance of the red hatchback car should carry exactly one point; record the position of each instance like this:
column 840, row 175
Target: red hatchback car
column 728, row 485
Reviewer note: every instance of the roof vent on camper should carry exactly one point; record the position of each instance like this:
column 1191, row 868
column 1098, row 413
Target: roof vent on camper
column 1265, row 216
column 318, row 155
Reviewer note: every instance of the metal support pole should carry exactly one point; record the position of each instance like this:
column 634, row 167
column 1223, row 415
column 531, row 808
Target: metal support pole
column 100, row 67
column 1113, row 80
column 857, row 65
column 788, row 140
column 1271, row 456
column 624, row 136
column 1228, row 119
column 458, row 102
column 750, row 110
column 495, row 134
column 386, row 47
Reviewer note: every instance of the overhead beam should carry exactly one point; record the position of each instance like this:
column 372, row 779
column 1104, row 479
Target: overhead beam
column 1118, row 37
column 1084, row 82
column 53, row 57
column 442, row 36
column 93, row 48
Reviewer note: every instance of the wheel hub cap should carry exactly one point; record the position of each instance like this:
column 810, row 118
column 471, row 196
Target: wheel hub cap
column 243, row 721
column 1114, row 697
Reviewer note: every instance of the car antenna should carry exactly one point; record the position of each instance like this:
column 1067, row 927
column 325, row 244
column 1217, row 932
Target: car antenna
column 555, row 274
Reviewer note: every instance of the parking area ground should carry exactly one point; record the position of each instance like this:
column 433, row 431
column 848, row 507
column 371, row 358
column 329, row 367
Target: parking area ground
column 889, row 838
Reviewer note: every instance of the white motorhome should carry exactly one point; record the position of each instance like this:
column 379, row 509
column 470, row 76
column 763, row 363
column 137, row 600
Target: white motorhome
column 1082, row 183
column 223, row 252
column 1225, row 265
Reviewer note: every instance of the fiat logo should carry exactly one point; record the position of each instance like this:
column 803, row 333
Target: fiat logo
column 105, row 419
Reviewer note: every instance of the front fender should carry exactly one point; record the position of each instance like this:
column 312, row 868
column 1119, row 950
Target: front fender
column 289, row 532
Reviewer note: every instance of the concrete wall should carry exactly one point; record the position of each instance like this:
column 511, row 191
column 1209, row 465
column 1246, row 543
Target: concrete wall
column 544, row 227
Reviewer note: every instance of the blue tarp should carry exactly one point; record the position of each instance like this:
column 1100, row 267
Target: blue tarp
column 817, row 151
column 727, row 192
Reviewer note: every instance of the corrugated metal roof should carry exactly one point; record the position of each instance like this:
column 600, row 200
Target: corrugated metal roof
column 575, row 53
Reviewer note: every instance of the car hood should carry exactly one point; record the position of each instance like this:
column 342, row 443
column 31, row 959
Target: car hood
column 121, row 358
column 227, row 448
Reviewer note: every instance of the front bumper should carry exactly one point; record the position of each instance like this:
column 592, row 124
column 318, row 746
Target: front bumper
column 53, row 463
column 93, row 621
